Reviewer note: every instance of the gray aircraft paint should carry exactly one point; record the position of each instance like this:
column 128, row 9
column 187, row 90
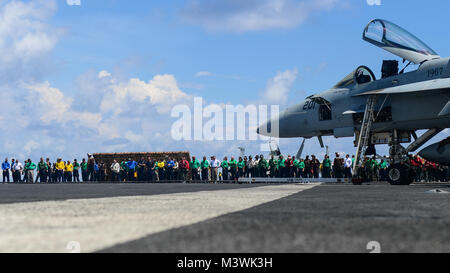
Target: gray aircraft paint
column 438, row 153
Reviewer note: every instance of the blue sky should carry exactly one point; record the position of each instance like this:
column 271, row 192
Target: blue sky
column 83, row 78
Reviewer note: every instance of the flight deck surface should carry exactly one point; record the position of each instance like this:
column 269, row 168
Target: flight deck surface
column 211, row 218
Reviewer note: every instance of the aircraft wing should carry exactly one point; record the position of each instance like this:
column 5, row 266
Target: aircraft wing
column 412, row 87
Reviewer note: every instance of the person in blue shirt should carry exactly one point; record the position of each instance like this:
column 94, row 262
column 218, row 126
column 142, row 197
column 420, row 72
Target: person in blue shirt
column 170, row 165
column 96, row 172
column 6, row 167
column 131, row 169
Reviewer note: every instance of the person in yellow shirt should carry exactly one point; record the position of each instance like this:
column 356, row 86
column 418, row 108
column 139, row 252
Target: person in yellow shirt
column 60, row 165
column 68, row 170
column 161, row 170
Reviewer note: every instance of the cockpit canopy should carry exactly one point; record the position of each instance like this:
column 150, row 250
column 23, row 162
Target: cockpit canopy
column 398, row 41
column 361, row 75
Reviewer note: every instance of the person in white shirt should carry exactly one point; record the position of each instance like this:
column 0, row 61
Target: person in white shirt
column 176, row 170
column 215, row 164
column 348, row 167
column 18, row 169
column 115, row 170
column 254, row 165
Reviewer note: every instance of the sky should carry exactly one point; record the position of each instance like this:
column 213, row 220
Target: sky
column 87, row 76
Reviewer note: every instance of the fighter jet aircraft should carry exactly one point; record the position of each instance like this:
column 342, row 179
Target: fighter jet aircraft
column 388, row 111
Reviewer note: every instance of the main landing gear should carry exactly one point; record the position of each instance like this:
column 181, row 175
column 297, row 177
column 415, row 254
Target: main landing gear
column 400, row 172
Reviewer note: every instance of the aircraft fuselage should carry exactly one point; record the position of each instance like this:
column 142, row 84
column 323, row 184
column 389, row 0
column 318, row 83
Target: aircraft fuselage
column 407, row 111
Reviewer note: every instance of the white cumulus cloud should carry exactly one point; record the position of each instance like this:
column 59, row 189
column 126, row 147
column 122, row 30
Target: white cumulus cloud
column 161, row 92
column 278, row 87
column 26, row 38
column 52, row 106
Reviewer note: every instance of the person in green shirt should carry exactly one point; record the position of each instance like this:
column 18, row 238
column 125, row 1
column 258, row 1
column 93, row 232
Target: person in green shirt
column 383, row 170
column 155, row 170
column 374, row 168
column 29, row 171
column 233, row 168
column 296, row 163
column 301, row 167
column 369, row 168
column 273, row 164
column 84, row 172
column 194, row 165
column 241, row 166
column 205, row 169
column 263, row 165
column 76, row 171
column 383, row 164
column 281, row 167
column 42, row 171
column 49, row 171
column 123, row 170
column 224, row 165
column 326, row 167
column 267, row 168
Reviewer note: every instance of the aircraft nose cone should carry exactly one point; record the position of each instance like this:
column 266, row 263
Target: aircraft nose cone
column 275, row 127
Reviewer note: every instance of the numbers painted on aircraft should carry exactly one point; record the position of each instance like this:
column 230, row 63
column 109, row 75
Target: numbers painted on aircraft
column 435, row 72
column 309, row 105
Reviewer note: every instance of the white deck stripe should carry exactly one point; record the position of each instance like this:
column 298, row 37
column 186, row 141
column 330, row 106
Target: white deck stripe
column 100, row 223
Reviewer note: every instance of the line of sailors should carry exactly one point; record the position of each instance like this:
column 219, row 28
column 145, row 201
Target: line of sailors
column 47, row 172
column 427, row 171
column 231, row 169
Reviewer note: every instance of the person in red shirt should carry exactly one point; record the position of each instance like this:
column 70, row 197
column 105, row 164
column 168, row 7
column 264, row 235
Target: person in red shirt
column 415, row 168
column 289, row 167
column 184, row 168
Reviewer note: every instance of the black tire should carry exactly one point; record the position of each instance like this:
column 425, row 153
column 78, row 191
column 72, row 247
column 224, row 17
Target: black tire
column 400, row 175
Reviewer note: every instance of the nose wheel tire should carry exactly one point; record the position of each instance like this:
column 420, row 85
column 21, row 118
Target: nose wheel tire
column 400, row 175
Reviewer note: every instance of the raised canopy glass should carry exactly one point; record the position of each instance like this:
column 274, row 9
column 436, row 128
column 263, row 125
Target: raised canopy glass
column 398, row 41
